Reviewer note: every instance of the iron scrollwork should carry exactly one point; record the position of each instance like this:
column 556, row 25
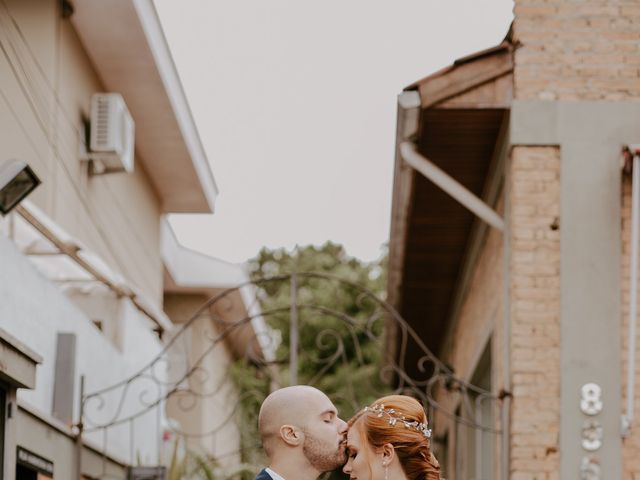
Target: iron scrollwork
column 181, row 375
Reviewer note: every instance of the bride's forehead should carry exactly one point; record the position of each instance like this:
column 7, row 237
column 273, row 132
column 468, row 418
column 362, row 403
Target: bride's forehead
column 353, row 436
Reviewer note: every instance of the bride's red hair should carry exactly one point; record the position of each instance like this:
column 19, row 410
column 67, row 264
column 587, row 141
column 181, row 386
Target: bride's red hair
column 410, row 445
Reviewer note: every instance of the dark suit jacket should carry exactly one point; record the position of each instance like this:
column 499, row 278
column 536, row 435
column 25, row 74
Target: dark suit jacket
column 263, row 475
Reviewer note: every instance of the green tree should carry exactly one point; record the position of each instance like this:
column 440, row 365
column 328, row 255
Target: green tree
column 340, row 329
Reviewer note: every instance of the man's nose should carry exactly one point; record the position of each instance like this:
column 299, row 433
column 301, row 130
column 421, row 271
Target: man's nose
column 343, row 426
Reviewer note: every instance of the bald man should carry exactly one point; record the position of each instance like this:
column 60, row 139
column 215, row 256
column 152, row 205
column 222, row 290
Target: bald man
column 301, row 434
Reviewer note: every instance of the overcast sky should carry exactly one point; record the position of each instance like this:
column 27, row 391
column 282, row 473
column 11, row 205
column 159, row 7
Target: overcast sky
column 295, row 102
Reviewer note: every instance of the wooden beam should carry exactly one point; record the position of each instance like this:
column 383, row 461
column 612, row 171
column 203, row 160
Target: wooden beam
column 497, row 93
column 479, row 230
column 403, row 180
column 450, row 185
column 467, row 77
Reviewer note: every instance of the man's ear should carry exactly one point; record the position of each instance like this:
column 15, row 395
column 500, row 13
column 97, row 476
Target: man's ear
column 388, row 454
column 291, row 435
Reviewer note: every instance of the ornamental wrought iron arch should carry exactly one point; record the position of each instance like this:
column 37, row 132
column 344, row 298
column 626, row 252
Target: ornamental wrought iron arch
column 350, row 344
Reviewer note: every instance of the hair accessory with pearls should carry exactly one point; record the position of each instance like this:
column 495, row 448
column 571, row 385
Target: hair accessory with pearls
column 395, row 417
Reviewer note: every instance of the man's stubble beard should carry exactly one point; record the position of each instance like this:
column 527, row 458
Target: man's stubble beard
column 321, row 455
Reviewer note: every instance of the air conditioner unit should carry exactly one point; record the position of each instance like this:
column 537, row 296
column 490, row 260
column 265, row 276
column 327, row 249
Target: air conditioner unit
column 111, row 136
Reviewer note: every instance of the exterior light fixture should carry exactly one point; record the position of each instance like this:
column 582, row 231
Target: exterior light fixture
column 17, row 180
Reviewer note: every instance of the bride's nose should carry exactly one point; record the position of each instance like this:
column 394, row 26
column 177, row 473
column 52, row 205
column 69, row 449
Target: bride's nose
column 347, row 467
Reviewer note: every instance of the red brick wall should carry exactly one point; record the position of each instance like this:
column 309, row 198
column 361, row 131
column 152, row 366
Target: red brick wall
column 535, row 313
column 586, row 50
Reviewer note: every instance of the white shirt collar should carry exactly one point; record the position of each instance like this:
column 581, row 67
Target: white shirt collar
column 273, row 474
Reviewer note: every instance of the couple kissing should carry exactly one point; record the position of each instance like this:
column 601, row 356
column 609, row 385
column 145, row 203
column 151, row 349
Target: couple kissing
column 303, row 437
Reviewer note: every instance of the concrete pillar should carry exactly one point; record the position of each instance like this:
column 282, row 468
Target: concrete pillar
column 590, row 136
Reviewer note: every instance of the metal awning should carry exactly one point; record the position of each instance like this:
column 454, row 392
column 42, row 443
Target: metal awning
column 66, row 262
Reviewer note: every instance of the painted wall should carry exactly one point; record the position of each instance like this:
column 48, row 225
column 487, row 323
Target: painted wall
column 59, row 448
column 478, row 323
column 45, row 94
column 34, row 310
column 212, row 415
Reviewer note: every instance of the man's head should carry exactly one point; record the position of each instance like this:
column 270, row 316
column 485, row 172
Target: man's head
column 302, row 421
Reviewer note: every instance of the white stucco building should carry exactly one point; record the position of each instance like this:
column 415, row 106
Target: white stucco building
column 88, row 263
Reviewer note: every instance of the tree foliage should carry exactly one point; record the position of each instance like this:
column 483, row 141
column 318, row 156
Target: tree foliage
column 340, row 330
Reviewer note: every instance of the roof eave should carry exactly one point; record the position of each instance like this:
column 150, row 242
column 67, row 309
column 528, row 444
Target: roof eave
column 466, row 84
column 175, row 91
column 126, row 44
column 189, row 272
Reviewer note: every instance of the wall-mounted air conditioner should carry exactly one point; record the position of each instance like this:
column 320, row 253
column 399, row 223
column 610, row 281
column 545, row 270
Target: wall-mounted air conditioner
column 111, row 134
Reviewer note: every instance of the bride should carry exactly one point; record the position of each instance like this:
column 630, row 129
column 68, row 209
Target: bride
column 389, row 440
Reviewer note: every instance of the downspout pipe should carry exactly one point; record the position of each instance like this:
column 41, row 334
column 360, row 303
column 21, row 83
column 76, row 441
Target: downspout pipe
column 632, row 154
column 451, row 186
column 505, row 394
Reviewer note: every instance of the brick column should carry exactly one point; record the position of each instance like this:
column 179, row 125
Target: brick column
column 580, row 61
column 535, row 313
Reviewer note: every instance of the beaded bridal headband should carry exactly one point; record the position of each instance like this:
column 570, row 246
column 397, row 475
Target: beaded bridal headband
column 395, row 417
